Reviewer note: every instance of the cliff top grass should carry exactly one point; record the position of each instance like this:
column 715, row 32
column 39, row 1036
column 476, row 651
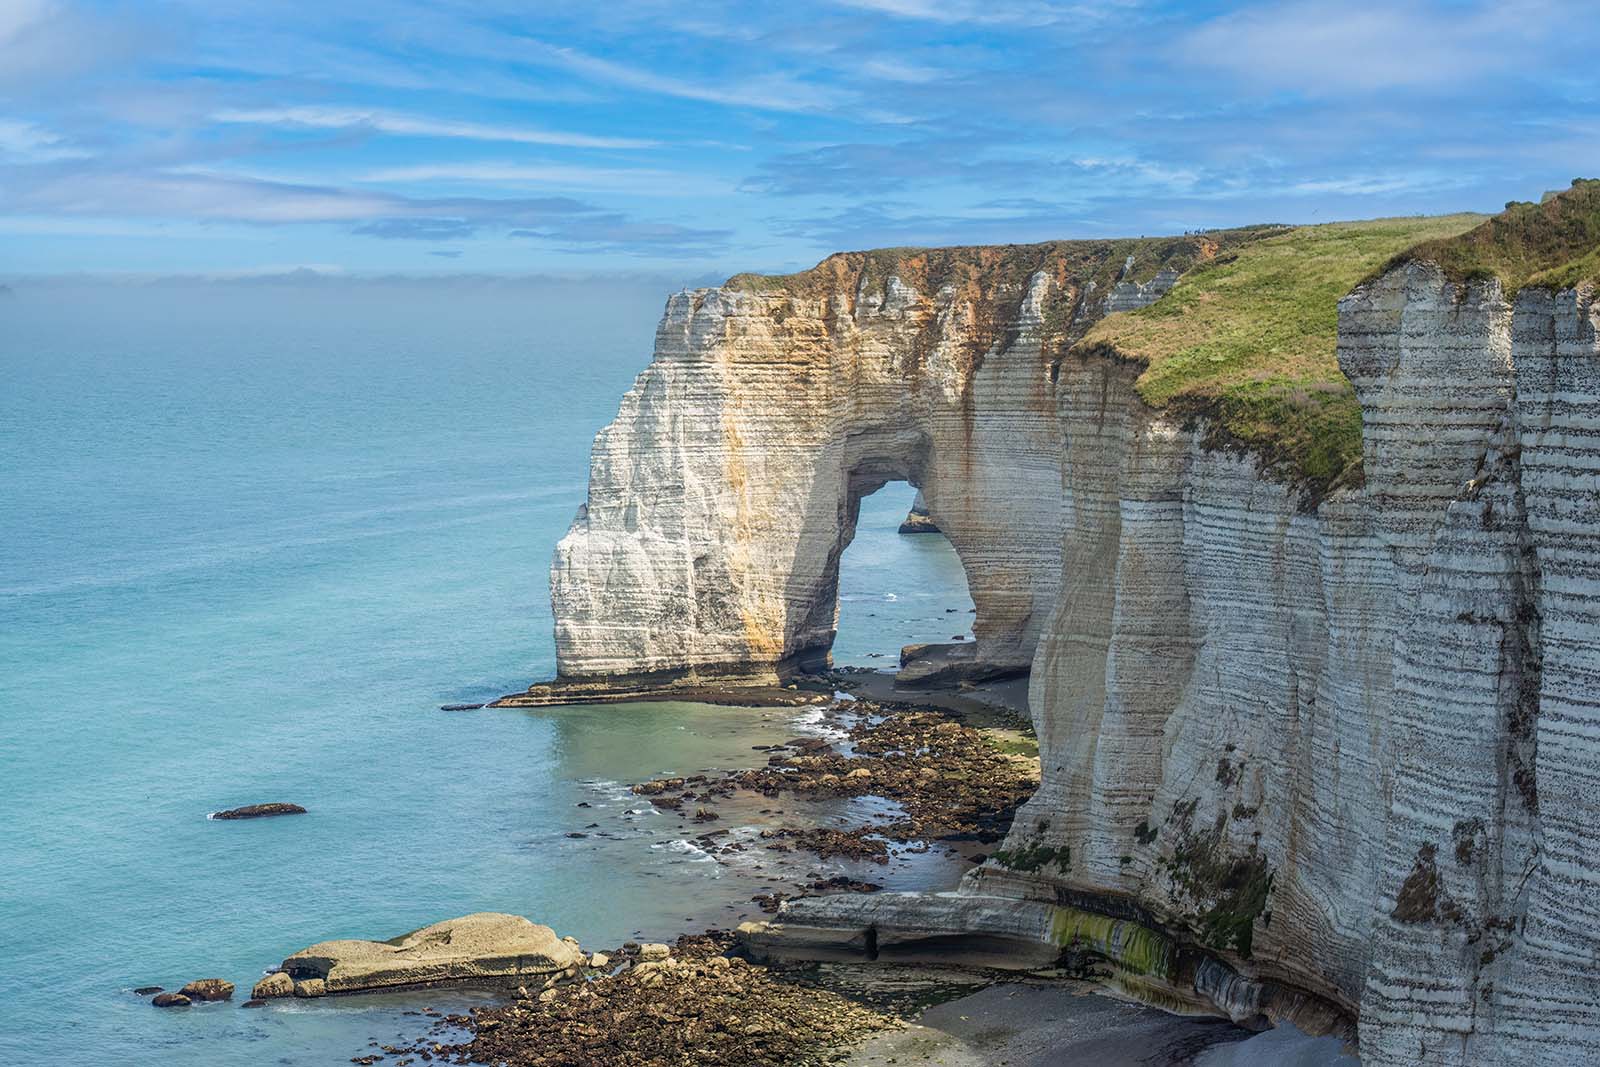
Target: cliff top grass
column 1248, row 339
column 991, row 279
column 991, row 270
column 1553, row 244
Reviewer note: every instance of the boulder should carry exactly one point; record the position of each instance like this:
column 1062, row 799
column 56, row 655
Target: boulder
column 208, row 989
column 259, row 811
column 276, row 984
column 483, row 945
column 654, row 951
column 170, row 1000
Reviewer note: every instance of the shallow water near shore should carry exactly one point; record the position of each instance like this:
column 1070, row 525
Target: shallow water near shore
column 253, row 537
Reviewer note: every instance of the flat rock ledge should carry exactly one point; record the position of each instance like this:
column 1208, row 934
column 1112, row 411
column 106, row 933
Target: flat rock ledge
column 1130, row 953
column 637, row 690
column 259, row 811
column 485, row 945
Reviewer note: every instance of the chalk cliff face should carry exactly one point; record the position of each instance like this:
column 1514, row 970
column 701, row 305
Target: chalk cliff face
column 722, row 496
column 1331, row 759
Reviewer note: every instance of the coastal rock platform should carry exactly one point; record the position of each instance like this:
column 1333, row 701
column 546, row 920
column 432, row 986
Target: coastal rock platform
column 477, row 946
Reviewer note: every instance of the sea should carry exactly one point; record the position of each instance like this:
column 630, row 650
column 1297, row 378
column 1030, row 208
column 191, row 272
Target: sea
column 253, row 534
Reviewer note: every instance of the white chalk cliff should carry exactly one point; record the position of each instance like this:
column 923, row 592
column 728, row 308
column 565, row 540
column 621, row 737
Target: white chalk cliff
column 1332, row 757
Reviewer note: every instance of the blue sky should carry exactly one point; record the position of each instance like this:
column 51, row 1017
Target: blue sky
column 222, row 136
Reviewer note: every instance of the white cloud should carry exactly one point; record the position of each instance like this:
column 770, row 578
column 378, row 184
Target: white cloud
column 398, row 124
column 1328, row 46
column 774, row 92
column 17, row 16
column 25, row 142
column 645, row 180
column 989, row 12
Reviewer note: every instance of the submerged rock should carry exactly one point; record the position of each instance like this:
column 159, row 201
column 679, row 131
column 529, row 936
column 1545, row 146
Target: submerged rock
column 259, row 811
column 147, row 990
column 482, row 945
column 170, row 1000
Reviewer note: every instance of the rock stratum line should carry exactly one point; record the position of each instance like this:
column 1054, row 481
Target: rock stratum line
column 1314, row 746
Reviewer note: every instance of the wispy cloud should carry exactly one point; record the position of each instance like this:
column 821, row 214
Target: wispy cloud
column 771, row 92
column 404, row 125
column 565, row 222
column 642, row 179
column 981, row 12
column 25, row 142
column 1330, row 46
column 734, row 133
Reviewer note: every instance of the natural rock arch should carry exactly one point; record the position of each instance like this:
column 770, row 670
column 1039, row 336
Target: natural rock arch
column 724, row 494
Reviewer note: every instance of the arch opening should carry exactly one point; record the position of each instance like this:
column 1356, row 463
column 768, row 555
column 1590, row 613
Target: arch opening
column 897, row 591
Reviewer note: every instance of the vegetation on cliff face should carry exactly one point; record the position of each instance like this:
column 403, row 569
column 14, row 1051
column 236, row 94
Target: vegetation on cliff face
column 1553, row 244
column 1247, row 340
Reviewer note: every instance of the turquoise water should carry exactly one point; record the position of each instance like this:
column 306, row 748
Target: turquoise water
column 250, row 538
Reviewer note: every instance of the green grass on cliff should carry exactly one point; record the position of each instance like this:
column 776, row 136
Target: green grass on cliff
column 1248, row 341
column 1552, row 244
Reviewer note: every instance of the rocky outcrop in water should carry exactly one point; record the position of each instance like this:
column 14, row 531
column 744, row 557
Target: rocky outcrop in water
column 481, row 945
column 1319, row 756
column 259, row 811
column 918, row 519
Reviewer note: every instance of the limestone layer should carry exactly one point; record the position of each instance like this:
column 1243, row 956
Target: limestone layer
column 723, row 494
column 1343, row 755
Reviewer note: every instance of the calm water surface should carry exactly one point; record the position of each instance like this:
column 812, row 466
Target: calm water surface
column 250, row 539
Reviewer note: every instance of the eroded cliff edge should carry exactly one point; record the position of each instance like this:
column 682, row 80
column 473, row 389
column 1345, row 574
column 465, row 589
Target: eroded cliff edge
column 1319, row 717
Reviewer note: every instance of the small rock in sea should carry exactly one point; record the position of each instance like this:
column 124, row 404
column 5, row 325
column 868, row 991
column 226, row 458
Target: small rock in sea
column 259, row 811
column 276, row 984
column 208, row 989
column 254, row 1004
column 705, row 815
column 170, row 1000
column 147, row 990
column 584, row 804
column 958, row 637
column 459, row 707
column 575, row 833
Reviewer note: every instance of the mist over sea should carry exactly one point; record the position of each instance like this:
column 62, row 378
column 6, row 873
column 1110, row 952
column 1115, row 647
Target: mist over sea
column 251, row 536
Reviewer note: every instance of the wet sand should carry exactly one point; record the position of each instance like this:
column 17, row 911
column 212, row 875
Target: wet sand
column 1060, row 1024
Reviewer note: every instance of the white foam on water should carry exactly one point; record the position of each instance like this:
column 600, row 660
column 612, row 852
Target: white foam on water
column 689, row 849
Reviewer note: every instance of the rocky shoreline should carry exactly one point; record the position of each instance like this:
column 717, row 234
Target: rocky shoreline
column 944, row 771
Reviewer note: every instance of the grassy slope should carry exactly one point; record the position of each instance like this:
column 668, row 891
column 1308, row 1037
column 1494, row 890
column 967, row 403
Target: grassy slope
column 1248, row 340
column 1553, row 244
